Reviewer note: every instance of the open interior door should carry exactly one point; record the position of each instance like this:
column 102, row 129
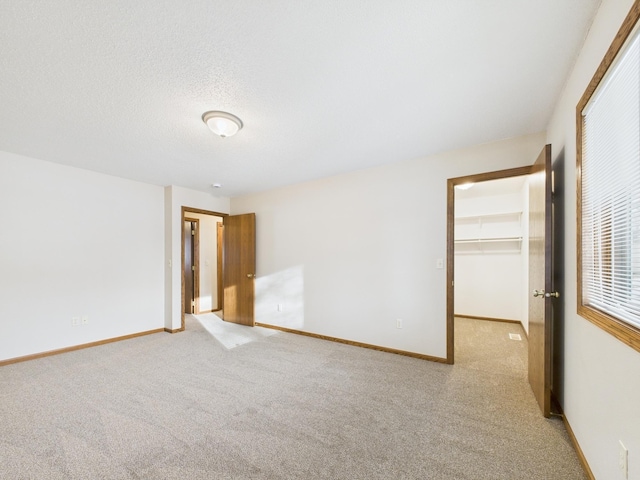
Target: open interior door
column 238, row 268
column 188, row 264
column 540, row 280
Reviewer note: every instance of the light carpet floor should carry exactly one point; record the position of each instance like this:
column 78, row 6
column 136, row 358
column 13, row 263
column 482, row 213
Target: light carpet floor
column 231, row 335
column 279, row 406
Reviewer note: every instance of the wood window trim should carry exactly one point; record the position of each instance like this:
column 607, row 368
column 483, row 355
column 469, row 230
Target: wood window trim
column 626, row 333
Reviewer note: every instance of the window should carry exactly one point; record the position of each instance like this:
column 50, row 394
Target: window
column 608, row 124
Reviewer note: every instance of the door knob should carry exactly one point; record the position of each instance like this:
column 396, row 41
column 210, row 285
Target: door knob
column 250, row 275
column 553, row 294
column 538, row 293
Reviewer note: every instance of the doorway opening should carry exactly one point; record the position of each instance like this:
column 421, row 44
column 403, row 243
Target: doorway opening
column 202, row 265
column 226, row 267
column 541, row 282
column 191, row 273
column 473, row 231
column 491, row 272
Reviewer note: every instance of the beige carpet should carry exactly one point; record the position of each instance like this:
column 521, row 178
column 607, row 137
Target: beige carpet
column 486, row 346
column 282, row 406
column 231, row 335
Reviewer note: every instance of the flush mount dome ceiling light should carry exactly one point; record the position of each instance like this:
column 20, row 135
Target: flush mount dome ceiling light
column 222, row 123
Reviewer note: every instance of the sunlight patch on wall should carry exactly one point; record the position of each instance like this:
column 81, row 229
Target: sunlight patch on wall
column 280, row 298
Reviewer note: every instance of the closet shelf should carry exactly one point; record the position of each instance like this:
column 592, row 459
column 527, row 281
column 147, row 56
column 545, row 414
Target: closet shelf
column 489, row 215
column 489, row 240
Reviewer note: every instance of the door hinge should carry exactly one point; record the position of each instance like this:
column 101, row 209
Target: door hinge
column 193, row 232
column 193, row 268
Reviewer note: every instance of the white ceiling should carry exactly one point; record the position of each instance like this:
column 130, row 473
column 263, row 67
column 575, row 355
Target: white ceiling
column 323, row 87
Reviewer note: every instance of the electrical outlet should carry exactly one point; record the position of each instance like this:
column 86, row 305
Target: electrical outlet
column 85, row 319
column 75, row 321
column 398, row 323
column 623, row 460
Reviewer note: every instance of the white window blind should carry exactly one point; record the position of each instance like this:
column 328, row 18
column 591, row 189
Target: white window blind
column 611, row 190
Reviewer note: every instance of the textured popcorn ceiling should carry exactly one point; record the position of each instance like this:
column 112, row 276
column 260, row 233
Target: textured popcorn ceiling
column 323, row 87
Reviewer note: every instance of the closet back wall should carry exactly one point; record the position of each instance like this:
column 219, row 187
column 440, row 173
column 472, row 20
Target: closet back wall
column 490, row 265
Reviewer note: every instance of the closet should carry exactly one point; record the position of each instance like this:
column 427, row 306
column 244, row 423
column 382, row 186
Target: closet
column 491, row 250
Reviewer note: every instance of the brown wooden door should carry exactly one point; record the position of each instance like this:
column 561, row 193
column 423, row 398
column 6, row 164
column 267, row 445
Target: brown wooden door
column 189, row 290
column 540, row 280
column 239, row 268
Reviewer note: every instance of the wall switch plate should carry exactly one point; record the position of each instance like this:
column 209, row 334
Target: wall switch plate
column 279, row 307
column 623, row 460
column 85, row 319
column 439, row 263
column 398, row 323
column 75, row 321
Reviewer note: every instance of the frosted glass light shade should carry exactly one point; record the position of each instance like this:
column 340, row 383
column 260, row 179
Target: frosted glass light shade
column 222, row 123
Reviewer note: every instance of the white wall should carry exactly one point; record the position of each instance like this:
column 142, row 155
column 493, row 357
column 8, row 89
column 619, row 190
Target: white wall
column 208, row 259
column 601, row 395
column 351, row 254
column 174, row 199
column 489, row 276
column 76, row 243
